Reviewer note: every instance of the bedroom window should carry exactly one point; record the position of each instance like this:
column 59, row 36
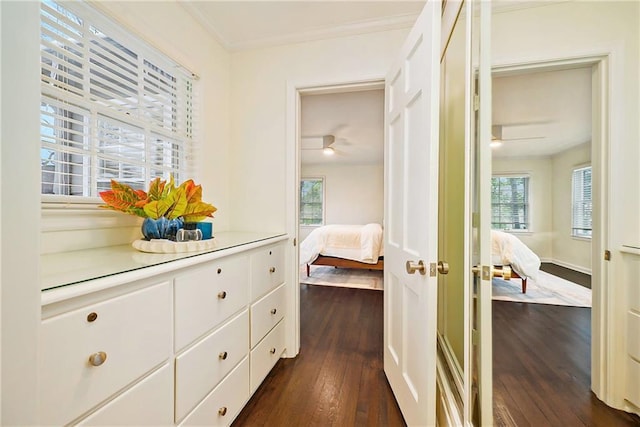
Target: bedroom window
column 510, row 203
column 581, row 222
column 111, row 106
column 312, row 201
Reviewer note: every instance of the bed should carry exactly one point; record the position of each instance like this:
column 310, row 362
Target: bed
column 508, row 250
column 344, row 246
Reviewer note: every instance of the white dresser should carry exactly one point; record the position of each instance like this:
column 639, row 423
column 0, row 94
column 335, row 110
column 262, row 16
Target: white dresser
column 155, row 339
column 631, row 272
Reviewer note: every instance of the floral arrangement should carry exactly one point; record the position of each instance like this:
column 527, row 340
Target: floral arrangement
column 163, row 200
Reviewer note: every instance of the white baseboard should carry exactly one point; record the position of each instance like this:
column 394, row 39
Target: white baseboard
column 570, row 266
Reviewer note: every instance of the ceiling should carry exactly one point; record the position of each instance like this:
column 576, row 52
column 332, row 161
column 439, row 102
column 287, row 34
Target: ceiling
column 355, row 119
column 552, row 109
column 540, row 114
column 253, row 24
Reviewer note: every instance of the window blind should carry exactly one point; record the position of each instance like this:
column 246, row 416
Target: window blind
column 582, row 202
column 111, row 107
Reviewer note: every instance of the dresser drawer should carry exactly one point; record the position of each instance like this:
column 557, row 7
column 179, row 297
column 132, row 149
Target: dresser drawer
column 633, row 381
column 267, row 269
column 266, row 354
column 148, row 403
column 266, row 313
column 201, row 368
column 208, row 295
column 90, row 353
column 224, row 403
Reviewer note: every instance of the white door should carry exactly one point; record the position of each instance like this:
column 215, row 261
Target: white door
column 411, row 219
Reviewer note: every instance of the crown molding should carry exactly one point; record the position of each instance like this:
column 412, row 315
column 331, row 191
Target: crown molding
column 352, row 28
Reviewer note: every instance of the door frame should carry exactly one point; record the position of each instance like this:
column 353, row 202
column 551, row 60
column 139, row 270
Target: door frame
column 292, row 179
column 603, row 320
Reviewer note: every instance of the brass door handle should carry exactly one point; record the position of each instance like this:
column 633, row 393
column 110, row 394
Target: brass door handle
column 443, row 267
column 413, row 266
column 504, row 272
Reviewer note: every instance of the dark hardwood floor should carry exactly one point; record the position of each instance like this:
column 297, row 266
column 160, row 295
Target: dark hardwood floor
column 338, row 378
column 541, row 368
column 567, row 274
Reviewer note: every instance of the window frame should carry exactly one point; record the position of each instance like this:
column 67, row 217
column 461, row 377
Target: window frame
column 148, row 56
column 573, row 202
column 527, row 203
column 324, row 201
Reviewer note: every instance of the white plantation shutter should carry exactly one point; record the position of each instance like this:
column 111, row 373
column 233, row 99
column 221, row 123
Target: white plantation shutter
column 582, row 202
column 112, row 107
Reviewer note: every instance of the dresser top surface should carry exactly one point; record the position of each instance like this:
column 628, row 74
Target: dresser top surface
column 70, row 268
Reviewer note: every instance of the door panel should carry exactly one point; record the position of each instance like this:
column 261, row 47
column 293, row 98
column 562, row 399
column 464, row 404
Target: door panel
column 411, row 150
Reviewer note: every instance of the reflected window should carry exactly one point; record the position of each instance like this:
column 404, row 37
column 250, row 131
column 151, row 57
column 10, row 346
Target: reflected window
column 510, row 203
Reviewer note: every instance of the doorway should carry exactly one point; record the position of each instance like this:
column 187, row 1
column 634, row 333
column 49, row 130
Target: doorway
column 341, row 166
column 542, row 159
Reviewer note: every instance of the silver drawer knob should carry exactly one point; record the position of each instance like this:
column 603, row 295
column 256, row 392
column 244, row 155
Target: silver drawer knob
column 222, row 295
column 223, row 355
column 272, row 270
column 273, row 350
column 274, row 311
column 97, row 359
column 222, row 411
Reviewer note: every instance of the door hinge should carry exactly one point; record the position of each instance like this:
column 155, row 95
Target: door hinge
column 295, row 241
column 475, row 220
column 607, row 255
column 476, row 102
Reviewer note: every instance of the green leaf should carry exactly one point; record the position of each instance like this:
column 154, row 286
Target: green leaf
column 196, row 212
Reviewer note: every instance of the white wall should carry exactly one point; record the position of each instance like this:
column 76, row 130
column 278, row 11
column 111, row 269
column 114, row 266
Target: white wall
column 574, row 29
column 354, row 193
column 169, row 28
column 568, row 251
column 258, row 112
column 540, row 171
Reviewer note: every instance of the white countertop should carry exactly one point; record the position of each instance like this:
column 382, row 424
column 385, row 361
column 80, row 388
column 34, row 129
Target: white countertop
column 71, row 268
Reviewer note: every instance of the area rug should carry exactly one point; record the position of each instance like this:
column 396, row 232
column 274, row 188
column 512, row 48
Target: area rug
column 546, row 289
column 344, row 277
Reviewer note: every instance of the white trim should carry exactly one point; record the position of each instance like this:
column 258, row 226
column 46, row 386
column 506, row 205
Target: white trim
column 386, row 23
column 570, row 266
column 451, row 412
column 634, row 250
column 292, row 183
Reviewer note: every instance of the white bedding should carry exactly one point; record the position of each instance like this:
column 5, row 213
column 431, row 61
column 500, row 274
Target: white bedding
column 361, row 243
column 507, row 249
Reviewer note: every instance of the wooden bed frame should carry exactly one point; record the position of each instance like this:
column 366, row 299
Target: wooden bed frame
column 515, row 275
column 345, row 263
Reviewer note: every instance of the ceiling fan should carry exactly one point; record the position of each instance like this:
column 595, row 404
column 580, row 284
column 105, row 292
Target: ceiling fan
column 516, row 132
column 324, row 143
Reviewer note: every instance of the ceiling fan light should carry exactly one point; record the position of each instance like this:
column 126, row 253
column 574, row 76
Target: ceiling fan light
column 328, row 151
column 495, row 143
